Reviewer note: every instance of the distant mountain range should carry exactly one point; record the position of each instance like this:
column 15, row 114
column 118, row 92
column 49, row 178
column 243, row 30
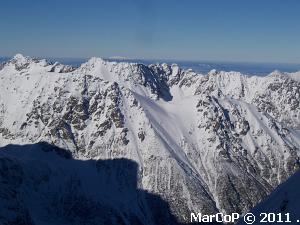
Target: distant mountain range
column 140, row 144
column 260, row 69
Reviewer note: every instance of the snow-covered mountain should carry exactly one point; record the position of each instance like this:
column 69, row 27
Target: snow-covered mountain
column 219, row 142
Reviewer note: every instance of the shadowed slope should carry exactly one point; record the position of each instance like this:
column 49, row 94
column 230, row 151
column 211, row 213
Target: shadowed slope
column 41, row 184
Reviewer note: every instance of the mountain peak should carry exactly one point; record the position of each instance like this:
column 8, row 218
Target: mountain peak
column 213, row 72
column 94, row 60
column 20, row 62
column 19, row 56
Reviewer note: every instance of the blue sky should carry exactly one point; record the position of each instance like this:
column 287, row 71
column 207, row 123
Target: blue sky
column 217, row 30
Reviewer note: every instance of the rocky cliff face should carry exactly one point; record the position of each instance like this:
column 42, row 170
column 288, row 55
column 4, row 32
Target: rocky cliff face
column 211, row 143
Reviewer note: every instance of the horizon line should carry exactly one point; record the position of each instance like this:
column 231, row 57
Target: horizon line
column 123, row 58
